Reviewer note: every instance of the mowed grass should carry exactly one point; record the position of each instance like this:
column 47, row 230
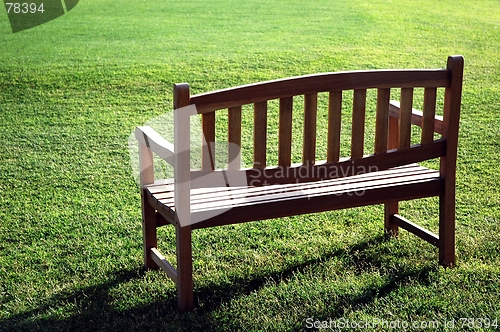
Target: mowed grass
column 72, row 90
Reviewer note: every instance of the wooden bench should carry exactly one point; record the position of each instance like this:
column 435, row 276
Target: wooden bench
column 390, row 173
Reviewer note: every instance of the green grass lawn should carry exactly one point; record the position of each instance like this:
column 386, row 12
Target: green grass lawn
column 73, row 89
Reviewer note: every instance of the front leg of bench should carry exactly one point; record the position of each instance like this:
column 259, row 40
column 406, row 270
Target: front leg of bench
column 149, row 236
column 184, row 268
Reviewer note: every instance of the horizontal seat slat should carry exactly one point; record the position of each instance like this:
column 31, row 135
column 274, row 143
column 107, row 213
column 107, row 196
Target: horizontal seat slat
column 166, row 189
column 230, row 194
column 314, row 189
column 264, row 190
column 210, row 200
column 305, row 204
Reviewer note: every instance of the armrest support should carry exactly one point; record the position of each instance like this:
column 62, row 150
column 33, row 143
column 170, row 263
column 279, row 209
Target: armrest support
column 148, row 137
column 416, row 117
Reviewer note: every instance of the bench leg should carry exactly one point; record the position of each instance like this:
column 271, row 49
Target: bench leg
column 149, row 238
column 390, row 209
column 184, row 268
column 447, row 230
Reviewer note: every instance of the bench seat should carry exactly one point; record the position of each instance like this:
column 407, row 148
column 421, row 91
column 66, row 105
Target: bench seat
column 248, row 203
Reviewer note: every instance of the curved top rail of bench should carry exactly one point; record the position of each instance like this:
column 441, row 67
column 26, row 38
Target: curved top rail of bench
column 324, row 82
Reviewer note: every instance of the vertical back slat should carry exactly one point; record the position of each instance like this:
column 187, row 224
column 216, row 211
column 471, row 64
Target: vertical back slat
column 405, row 117
column 358, row 123
column 208, row 148
column 234, row 138
column 429, row 114
column 310, row 113
column 382, row 121
column 334, row 121
column 285, row 132
column 260, row 135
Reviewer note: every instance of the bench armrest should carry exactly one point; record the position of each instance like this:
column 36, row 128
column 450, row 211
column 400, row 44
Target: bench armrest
column 416, row 116
column 147, row 136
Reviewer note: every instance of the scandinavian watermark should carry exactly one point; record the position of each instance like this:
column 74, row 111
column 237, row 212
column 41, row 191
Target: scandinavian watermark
column 302, row 181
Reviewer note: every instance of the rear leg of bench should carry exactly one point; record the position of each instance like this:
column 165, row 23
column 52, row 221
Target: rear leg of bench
column 148, row 233
column 184, row 268
column 390, row 209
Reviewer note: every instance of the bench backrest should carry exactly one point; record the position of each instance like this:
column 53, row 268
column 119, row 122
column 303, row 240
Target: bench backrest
column 392, row 145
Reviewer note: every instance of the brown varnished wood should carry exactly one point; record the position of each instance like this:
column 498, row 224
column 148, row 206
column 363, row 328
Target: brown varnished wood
column 149, row 236
column 302, row 205
column 185, row 298
column 285, row 132
column 208, row 141
column 303, row 173
column 416, row 117
column 182, row 199
column 403, row 178
column 260, row 135
column 214, row 195
column 355, row 80
column 161, row 220
column 382, row 161
column 182, row 155
column 390, row 226
column 182, row 96
column 164, row 264
column 429, row 113
column 421, row 232
column 391, row 208
column 393, row 137
column 146, row 175
column 451, row 122
column 310, row 116
column 312, row 194
column 405, row 118
column 358, row 124
column 221, row 197
column 149, row 138
column 385, row 177
column 382, row 120
column 334, row 126
column 234, row 137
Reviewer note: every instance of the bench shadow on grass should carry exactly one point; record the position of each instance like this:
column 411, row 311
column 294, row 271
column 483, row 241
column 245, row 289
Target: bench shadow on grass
column 95, row 313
